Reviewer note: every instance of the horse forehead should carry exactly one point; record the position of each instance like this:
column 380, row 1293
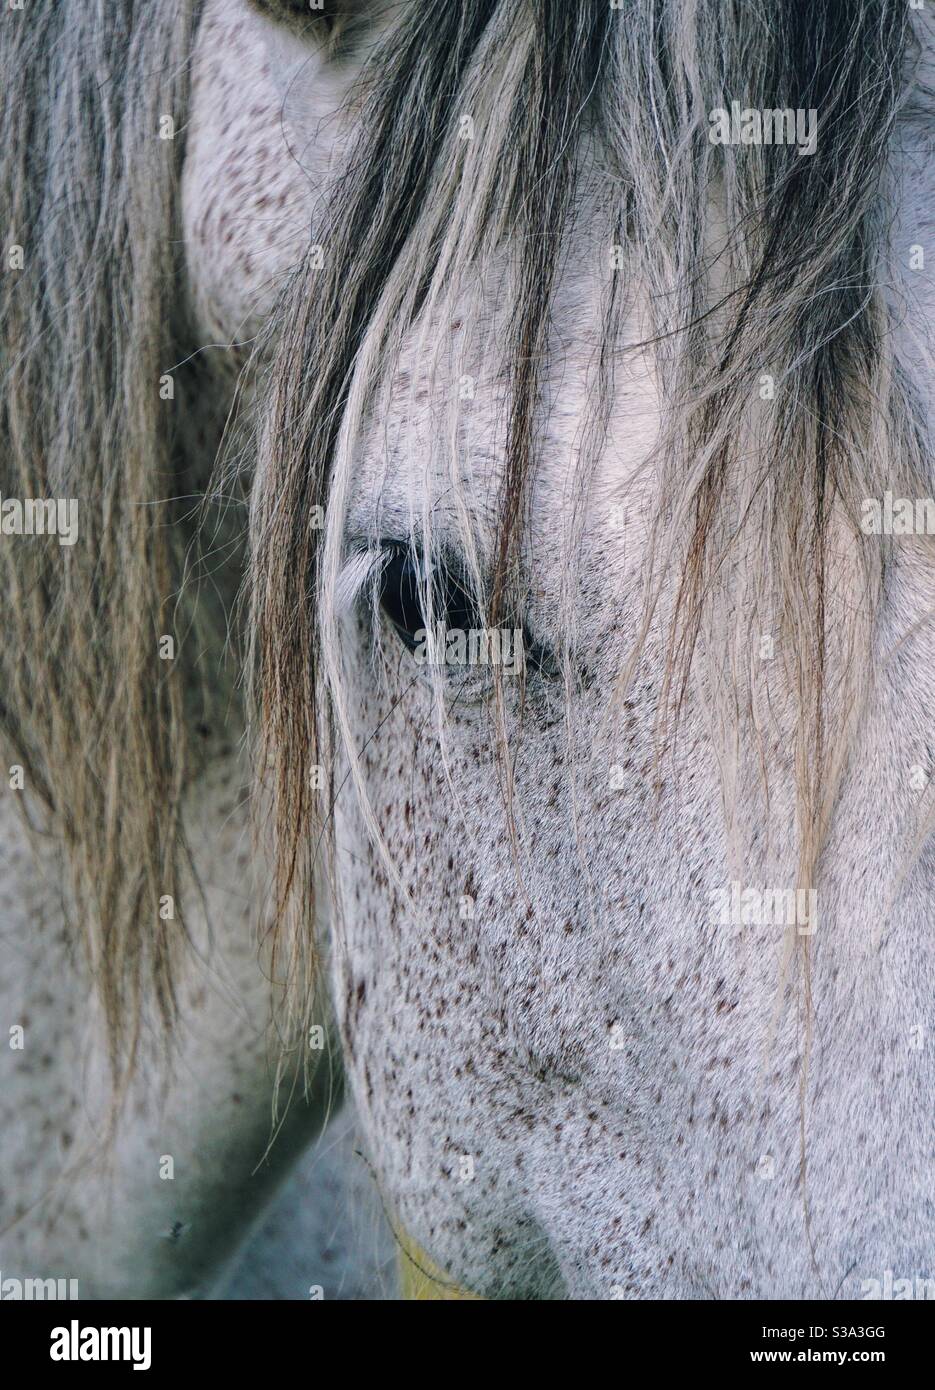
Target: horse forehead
column 453, row 357
column 265, row 133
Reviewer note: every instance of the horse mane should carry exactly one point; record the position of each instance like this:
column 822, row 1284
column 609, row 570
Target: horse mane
column 89, row 190
column 755, row 497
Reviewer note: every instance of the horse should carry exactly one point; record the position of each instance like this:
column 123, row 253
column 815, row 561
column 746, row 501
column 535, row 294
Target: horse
column 478, row 681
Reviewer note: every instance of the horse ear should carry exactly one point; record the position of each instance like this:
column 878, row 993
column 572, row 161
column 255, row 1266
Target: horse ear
column 333, row 23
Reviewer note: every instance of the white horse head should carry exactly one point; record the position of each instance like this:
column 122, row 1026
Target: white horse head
column 591, row 716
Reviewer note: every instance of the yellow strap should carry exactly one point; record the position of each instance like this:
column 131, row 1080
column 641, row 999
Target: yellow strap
column 421, row 1279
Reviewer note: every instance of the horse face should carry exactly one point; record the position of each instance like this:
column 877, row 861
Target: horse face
column 553, row 1036
column 489, row 1025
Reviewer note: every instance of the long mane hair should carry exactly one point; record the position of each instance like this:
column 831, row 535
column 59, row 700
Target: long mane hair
column 92, row 112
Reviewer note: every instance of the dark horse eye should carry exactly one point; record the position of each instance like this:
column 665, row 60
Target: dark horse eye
column 401, row 595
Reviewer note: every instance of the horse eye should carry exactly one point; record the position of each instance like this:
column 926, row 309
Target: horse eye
column 401, row 597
